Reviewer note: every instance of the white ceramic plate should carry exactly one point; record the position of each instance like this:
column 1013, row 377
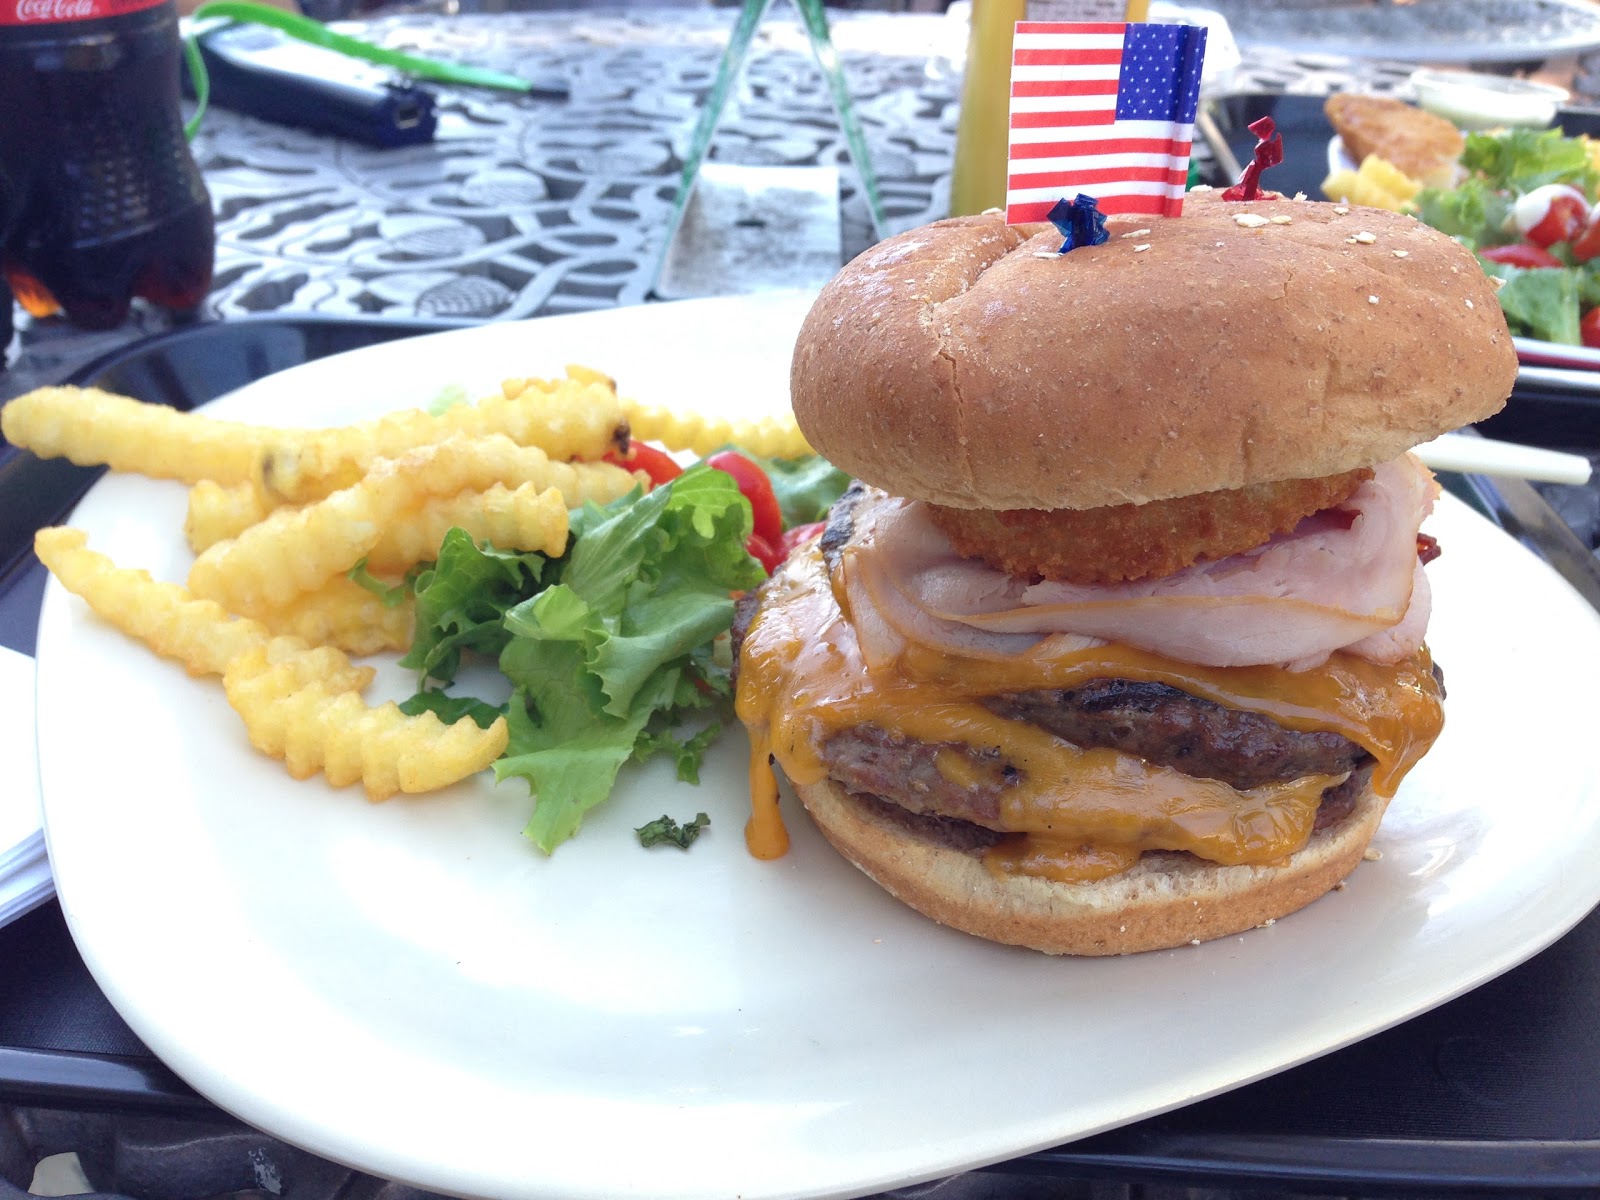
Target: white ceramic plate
column 412, row 989
column 1338, row 157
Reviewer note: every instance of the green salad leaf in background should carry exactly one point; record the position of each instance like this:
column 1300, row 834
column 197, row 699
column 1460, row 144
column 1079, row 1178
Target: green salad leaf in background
column 1518, row 160
column 1539, row 302
column 1474, row 212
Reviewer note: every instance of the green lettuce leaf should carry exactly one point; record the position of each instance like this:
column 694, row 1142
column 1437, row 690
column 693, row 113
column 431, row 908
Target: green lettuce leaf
column 451, row 709
column 448, row 397
column 1540, row 302
column 390, row 593
column 607, row 648
column 1473, row 213
column 462, row 602
column 1589, row 285
column 622, row 638
column 687, row 752
column 1519, row 160
column 563, row 744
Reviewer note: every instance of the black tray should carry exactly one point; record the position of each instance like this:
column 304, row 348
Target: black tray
column 1495, row 1092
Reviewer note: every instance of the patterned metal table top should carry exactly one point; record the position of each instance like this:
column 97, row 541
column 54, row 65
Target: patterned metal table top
column 523, row 207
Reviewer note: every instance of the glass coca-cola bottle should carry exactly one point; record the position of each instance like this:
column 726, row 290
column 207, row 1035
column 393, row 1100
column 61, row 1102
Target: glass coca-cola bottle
column 107, row 203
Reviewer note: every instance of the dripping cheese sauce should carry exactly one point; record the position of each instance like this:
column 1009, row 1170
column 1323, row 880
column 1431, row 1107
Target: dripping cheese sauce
column 1072, row 814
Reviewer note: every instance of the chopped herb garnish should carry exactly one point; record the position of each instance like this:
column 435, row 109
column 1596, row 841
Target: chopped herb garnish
column 665, row 830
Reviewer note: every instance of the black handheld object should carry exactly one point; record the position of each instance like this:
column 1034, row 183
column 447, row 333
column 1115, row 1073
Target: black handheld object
column 264, row 73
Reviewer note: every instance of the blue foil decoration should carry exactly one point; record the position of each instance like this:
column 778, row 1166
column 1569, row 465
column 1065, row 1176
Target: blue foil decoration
column 1080, row 221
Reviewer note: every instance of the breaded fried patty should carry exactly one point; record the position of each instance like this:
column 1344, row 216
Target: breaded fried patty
column 1421, row 144
column 1134, row 541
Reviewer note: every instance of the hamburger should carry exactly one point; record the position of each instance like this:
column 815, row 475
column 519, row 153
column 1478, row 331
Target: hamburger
column 1118, row 640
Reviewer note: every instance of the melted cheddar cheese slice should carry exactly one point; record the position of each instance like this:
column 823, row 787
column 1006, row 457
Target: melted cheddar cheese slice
column 1080, row 813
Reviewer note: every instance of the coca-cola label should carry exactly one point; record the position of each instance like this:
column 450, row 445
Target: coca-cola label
column 57, row 12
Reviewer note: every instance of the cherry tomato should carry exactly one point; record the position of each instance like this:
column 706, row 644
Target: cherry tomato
column 1563, row 220
column 657, row 464
column 794, row 538
column 1521, row 254
column 757, row 489
column 764, row 552
column 1587, row 245
column 1589, row 328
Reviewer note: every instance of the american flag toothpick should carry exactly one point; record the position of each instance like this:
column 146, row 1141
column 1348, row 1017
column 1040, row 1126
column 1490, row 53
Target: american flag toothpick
column 1106, row 109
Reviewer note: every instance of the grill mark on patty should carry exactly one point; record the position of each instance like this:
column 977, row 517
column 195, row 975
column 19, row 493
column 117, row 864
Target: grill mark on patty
column 1170, row 728
column 744, row 612
column 841, row 526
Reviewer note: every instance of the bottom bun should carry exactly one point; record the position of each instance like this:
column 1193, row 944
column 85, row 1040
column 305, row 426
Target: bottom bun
column 1164, row 900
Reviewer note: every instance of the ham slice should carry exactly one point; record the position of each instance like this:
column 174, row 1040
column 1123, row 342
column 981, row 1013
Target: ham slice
column 1342, row 580
column 1400, row 641
column 886, row 616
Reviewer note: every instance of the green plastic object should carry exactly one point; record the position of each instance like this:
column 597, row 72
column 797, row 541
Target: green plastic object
column 315, row 32
column 751, row 15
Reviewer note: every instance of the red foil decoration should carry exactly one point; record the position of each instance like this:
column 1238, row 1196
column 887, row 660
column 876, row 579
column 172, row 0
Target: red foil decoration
column 1269, row 153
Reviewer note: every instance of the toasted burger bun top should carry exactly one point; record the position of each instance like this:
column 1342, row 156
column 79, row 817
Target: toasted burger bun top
column 967, row 364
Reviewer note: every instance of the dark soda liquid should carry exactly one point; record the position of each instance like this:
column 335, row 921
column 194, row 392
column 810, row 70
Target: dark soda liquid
column 107, row 202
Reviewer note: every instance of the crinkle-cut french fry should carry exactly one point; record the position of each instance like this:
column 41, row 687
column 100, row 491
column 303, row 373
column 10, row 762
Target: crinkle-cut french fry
column 218, row 512
column 567, row 419
column 291, row 712
column 296, row 550
column 198, row 633
column 585, row 374
column 576, row 373
column 344, row 614
column 477, row 464
column 579, row 417
column 527, row 518
column 90, row 427
column 770, row 437
column 325, row 663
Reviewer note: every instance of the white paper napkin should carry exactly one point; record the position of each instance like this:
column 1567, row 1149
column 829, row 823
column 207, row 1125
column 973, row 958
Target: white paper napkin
column 24, row 871
column 26, row 888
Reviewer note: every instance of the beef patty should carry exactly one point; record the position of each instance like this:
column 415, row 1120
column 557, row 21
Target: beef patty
column 1169, row 727
column 1153, row 721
